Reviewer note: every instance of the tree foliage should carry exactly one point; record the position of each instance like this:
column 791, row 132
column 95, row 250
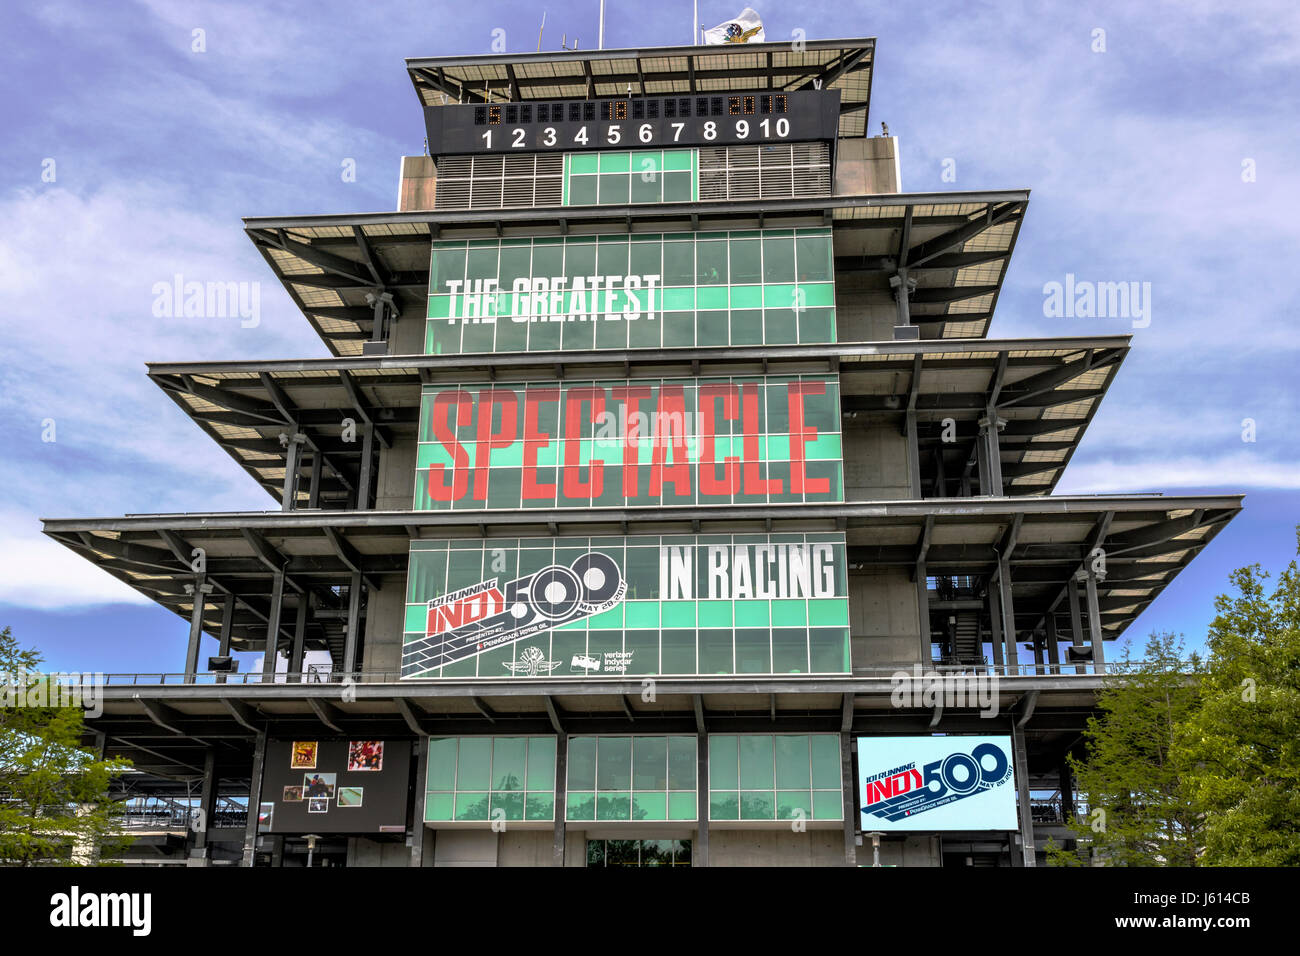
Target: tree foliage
column 1242, row 745
column 55, row 807
column 1200, row 765
column 1138, row 804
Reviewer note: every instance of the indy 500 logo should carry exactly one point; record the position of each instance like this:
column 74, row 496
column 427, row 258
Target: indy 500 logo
column 905, row 791
column 487, row 615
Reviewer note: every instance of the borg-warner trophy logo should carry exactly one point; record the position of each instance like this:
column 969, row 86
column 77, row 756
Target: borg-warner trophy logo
column 905, row 791
column 489, row 614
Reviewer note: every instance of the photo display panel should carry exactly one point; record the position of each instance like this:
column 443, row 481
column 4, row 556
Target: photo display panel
column 741, row 440
column 751, row 604
column 936, row 783
column 618, row 291
column 628, row 122
column 319, row 785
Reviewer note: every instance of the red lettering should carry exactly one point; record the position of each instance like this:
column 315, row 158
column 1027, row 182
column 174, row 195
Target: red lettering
column 754, row 483
column 476, row 607
column 670, row 425
column 709, row 482
column 444, row 430
column 631, row 397
column 487, row 439
column 574, row 486
column 800, row 435
column 534, row 441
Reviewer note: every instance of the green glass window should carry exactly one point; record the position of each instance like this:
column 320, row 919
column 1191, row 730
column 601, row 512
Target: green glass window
column 480, row 779
column 775, row 777
column 678, row 290
column 639, row 176
column 647, row 778
column 804, row 631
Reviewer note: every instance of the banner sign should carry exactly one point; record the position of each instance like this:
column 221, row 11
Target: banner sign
column 936, row 783
column 747, row 440
column 619, row 291
column 614, row 606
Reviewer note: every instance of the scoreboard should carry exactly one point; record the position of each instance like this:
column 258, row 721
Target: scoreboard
column 713, row 119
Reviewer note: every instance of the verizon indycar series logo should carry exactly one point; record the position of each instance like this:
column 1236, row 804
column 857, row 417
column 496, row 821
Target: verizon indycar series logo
column 905, row 791
column 490, row 614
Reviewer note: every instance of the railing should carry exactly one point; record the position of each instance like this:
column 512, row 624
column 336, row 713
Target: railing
column 886, row 672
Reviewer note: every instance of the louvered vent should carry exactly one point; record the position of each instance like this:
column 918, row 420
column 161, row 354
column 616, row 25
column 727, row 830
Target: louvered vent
column 500, row 182
column 777, row 171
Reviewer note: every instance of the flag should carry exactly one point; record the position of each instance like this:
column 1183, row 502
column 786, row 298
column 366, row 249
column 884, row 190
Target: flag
column 744, row 28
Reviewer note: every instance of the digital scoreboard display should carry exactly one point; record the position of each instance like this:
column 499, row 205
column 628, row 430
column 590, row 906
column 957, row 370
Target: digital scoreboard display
column 634, row 122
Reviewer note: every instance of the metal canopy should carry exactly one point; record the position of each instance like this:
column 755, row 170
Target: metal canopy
column 1047, row 391
column 843, row 65
column 1147, row 539
column 956, row 245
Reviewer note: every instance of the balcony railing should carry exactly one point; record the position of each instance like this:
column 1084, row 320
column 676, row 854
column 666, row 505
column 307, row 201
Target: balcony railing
column 886, row 672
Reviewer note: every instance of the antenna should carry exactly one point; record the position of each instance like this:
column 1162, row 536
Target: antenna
column 539, row 32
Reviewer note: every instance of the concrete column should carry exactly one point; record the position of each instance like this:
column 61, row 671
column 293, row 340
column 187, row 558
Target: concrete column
column 289, row 494
column 352, row 639
column 1053, row 645
column 1095, row 637
column 913, row 454
column 995, row 622
column 367, row 462
column 299, row 634
column 207, row 809
column 850, row 806
column 923, row 612
column 254, row 799
column 1008, row 612
column 561, row 833
column 417, row 813
column 990, row 454
column 1076, row 620
column 700, row 848
column 313, row 489
column 273, row 628
column 199, row 590
column 1020, row 762
column 227, row 625
column 901, row 286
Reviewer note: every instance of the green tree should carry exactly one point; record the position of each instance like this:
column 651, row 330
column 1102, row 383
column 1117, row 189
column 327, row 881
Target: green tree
column 1242, row 746
column 55, row 806
column 1139, row 809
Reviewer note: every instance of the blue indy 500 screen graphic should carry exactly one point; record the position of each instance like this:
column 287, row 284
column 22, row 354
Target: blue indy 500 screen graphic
column 936, row 783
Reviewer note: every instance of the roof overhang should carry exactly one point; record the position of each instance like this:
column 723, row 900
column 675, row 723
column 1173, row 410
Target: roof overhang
column 957, row 245
column 1046, row 390
column 1147, row 540
column 844, row 65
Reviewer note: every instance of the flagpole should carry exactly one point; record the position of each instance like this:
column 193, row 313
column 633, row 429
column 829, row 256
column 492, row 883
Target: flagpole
column 600, row 42
column 695, row 24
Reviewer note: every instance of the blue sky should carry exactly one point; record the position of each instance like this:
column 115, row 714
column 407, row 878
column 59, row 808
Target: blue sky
column 1134, row 155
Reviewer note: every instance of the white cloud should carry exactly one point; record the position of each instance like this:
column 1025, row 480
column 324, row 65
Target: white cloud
column 38, row 572
column 1239, row 471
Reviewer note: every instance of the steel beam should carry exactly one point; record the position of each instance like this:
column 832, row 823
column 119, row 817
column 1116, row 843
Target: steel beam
column 254, row 800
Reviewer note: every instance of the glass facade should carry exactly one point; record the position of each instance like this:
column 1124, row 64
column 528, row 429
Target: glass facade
column 610, row 177
column 482, row 779
column 615, row 291
column 631, row 779
column 603, row 853
column 742, row 440
column 681, row 604
column 775, row 777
